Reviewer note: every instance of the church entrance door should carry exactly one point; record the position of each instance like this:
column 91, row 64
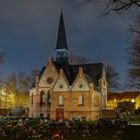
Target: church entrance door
column 59, row 114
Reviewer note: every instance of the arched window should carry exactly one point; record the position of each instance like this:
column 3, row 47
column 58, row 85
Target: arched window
column 61, row 100
column 96, row 100
column 32, row 99
column 42, row 97
column 80, row 100
column 49, row 98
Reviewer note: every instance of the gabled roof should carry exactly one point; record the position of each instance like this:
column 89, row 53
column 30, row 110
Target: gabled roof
column 67, row 71
column 61, row 38
column 41, row 72
column 93, row 71
column 88, row 78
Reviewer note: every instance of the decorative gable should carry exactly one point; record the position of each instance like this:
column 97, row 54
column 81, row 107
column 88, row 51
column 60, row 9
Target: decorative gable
column 62, row 83
column 49, row 76
column 80, row 83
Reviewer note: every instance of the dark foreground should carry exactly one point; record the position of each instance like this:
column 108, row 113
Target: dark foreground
column 130, row 133
column 77, row 138
column 35, row 130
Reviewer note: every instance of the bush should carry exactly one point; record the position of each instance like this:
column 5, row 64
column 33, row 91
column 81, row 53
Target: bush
column 34, row 123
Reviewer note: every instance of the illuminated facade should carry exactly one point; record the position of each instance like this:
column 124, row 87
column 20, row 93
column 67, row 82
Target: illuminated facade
column 114, row 99
column 64, row 91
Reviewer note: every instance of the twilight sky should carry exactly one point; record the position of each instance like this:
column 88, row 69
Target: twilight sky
column 28, row 33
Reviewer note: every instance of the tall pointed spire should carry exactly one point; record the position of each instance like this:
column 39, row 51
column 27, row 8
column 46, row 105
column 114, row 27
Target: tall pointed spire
column 61, row 38
column 61, row 46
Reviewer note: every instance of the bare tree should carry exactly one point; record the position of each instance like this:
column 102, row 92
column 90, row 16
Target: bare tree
column 117, row 5
column 31, row 78
column 112, row 77
column 22, row 83
column 16, row 87
column 9, row 90
column 133, row 54
column 77, row 59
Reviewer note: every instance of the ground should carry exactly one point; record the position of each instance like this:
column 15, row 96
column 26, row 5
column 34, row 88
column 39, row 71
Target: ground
column 77, row 138
column 131, row 133
column 101, row 130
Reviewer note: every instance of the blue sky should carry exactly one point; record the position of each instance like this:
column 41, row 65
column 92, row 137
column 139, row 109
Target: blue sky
column 28, row 33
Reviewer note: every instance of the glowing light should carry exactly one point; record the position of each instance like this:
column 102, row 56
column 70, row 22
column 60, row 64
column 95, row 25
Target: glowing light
column 115, row 100
column 132, row 100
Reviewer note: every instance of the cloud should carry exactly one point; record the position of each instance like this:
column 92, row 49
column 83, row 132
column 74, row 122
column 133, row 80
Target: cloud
column 28, row 32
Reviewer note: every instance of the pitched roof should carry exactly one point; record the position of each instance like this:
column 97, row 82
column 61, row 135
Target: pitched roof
column 61, row 38
column 67, row 69
column 93, row 71
column 41, row 72
column 88, row 78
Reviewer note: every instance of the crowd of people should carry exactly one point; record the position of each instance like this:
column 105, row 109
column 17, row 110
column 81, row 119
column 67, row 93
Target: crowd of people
column 37, row 128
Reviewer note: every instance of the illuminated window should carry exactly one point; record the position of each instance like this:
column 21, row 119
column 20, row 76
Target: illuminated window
column 42, row 97
column 81, row 100
column 61, row 100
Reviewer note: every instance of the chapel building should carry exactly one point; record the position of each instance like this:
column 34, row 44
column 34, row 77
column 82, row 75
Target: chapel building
column 65, row 91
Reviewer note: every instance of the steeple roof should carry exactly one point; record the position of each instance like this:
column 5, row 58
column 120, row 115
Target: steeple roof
column 61, row 38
